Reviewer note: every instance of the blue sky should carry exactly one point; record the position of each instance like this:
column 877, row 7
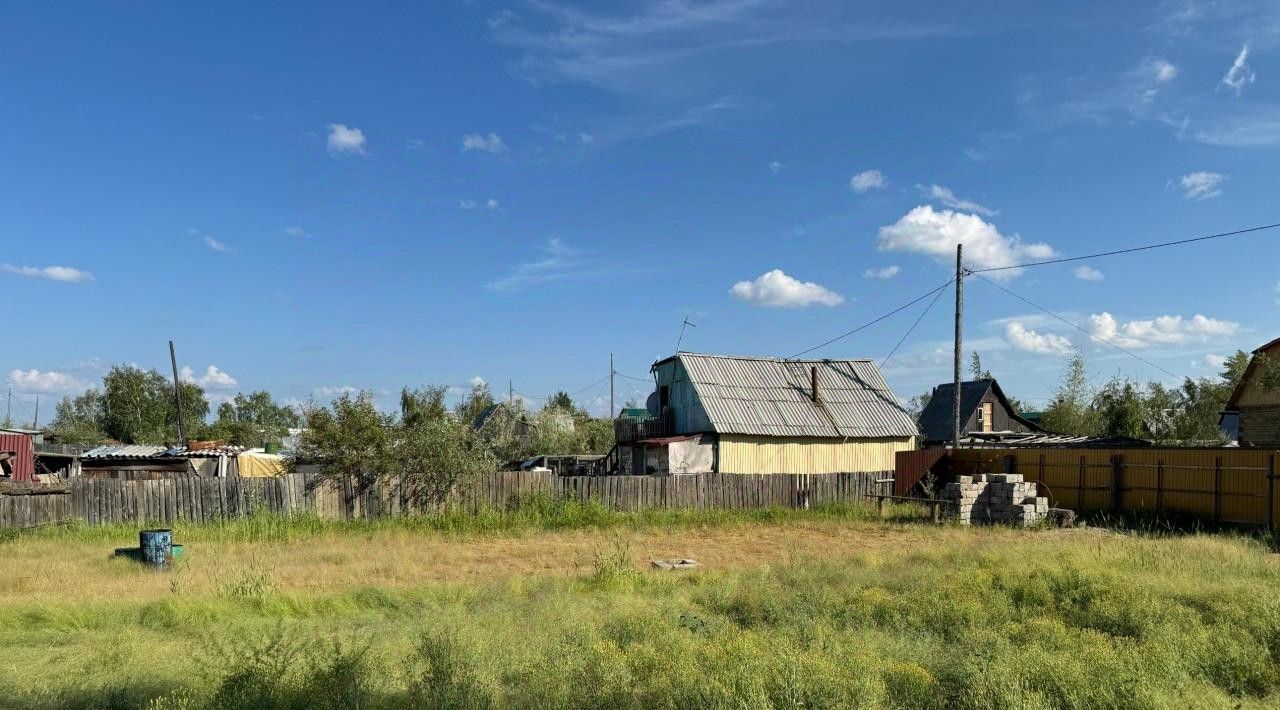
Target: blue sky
column 329, row 196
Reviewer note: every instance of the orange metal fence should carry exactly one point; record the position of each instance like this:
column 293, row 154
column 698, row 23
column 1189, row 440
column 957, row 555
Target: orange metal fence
column 1225, row 485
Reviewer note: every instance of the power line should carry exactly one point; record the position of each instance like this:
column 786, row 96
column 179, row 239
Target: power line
column 1129, row 250
column 637, row 379
column 1100, row 339
column 870, row 323
column 907, row 334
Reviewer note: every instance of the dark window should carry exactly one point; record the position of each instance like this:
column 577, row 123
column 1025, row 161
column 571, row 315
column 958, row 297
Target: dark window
column 664, row 397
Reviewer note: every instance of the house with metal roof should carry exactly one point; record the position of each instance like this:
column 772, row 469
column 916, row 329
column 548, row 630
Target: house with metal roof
column 730, row 414
column 984, row 409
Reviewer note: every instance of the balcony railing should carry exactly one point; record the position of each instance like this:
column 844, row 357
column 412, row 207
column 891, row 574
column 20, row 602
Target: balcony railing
column 628, row 430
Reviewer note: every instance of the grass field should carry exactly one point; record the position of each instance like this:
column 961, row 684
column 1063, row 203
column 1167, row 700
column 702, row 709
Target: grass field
column 555, row 607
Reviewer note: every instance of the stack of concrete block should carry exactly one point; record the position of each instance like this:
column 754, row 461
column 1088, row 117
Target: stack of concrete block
column 995, row 498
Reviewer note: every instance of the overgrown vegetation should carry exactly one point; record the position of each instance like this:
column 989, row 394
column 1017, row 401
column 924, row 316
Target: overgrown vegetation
column 942, row 618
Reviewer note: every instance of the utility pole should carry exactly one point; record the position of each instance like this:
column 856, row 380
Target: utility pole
column 955, row 406
column 177, row 395
column 511, row 393
column 35, row 421
column 8, row 407
column 612, row 412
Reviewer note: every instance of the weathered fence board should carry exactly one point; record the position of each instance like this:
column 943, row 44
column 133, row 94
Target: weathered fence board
column 196, row 499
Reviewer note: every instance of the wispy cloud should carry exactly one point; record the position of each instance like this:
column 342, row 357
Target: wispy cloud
column 216, row 245
column 644, row 49
column 491, row 143
column 1201, row 185
column 949, row 199
column 344, row 139
column 1248, row 127
column 868, row 180
column 556, row 261
column 886, row 272
column 296, row 231
column 775, row 167
column 65, row 274
column 1087, row 273
column 1240, row 74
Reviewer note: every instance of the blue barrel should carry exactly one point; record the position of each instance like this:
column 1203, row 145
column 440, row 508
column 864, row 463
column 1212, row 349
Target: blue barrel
column 157, row 546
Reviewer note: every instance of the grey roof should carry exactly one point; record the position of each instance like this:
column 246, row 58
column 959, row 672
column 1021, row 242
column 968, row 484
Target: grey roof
column 937, row 421
column 150, row 451
column 771, row 397
column 126, row 451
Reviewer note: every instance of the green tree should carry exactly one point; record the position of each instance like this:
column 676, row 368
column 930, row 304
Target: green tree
column 474, row 403
column 976, row 370
column 76, row 420
column 138, row 406
column 560, row 400
column 424, row 449
column 1120, row 409
column 252, row 420
column 1071, row 410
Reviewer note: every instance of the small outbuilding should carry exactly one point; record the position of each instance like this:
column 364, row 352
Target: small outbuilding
column 1254, row 408
column 983, row 410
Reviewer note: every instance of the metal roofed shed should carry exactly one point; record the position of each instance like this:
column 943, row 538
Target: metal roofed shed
column 769, row 415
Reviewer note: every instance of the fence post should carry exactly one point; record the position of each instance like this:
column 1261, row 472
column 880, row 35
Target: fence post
column 1160, row 486
column 1117, row 468
column 1271, row 491
column 1217, row 489
column 1079, row 484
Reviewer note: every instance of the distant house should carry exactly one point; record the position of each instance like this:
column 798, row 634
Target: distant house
column 719, row 413
column 1254, row 408
column 983, row 410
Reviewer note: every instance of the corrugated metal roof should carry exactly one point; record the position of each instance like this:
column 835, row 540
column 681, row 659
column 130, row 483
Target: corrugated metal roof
column 125, row 451
column 771, row 397
column 149, row 451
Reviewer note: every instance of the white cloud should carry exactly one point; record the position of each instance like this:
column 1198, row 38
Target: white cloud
column 336, row 391
column 216, row 245
column 936, row 233
column 949, row 199
column 65, row 274
column 491, row 143
column 774, row 289
column 344, row 139
column 586, row 138
column 1211, row 361
column 467, row 204
column 491, row 204
column 44, row 382
column 867, row 180
column 1163, row 330
column 1027, row 340
column 1240, row 74
column 775, row 167
column 1161, row 70
column 477, row 381
column 887, row 272
column 1201, row 185
column 296, row 231
column 1087, row 273
column 414, row 144
column 213, row 378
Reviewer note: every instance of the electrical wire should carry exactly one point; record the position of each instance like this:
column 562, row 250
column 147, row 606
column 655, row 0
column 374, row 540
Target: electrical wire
column 1098, row 338
column 907, row 334
column 870, row 323
column 1130, row 250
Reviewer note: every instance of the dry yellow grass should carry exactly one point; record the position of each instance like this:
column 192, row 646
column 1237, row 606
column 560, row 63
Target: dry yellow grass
column 86, row 571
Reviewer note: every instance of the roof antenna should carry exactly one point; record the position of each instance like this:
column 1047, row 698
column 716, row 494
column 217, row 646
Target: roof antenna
column 682, row 327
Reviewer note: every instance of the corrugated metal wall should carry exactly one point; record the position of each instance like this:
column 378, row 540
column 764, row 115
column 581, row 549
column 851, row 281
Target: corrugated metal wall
column 1227, row 485
column 24, row 466
column 763, row 454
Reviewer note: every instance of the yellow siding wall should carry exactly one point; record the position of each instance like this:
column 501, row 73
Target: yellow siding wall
column 763, row 454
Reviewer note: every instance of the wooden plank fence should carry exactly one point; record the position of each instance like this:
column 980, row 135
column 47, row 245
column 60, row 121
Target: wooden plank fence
column 1236, row 486
column 203, row 500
